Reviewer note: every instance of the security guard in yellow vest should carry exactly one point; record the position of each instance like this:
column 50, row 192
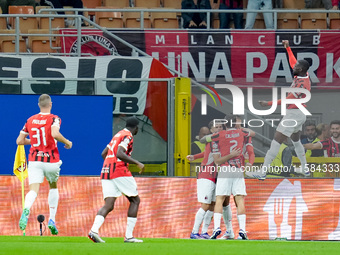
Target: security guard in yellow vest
column 197, row 146
column 282, row 164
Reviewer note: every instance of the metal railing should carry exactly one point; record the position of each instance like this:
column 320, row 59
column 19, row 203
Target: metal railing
column 209, row 12
column 79, row 19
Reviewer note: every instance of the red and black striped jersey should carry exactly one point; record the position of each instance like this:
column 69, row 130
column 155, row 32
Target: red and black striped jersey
column 332, row 147
column 43, row 145
column 113, row 167
column 207, row 169
column 298, row 82
column 228, row 140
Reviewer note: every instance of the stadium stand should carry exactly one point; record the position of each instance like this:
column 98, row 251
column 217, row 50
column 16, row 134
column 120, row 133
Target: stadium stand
column 27, row 22
column 56, row 22
column 288, row 21
column 164, row 20
column 151, row 4
column 117, row 3
column 49, row 22
column 109, row 18
column 133, row 19
column 293, row 4
column 92, row 3
column 334, row 20
column 313, row 20
column 259, row 22
column 41, row 44
column 173, row 4
column 7, row 42
column 3, row 21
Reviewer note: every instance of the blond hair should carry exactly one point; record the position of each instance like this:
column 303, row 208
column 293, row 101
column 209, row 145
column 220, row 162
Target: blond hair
column 44, row 101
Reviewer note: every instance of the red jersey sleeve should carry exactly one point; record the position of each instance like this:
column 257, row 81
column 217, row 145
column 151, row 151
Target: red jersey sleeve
column 292, row 59
column 251, row 154
column 292, row 63
column 198, row 155
column 125, row 142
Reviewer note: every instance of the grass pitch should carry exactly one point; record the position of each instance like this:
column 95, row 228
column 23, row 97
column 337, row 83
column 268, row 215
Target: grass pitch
column 44, row 245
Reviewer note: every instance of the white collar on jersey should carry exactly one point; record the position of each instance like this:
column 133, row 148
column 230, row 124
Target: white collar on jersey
column 302, row 76
column 44, row 113
column 334, row 140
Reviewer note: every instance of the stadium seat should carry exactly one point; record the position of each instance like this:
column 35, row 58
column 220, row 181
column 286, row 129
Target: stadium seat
column 109, row 18
column 334, row 20
column 173, row 4
column 3, row 21
column 287, row 20
column 259, row 22
column 40, row 7
column 216, row 23
column 55, row 22
column 164, row 19
column 118, row 3
column 41, row 44
column 313, row 20
column 25, row 23
column 44, row 22
column 293, row 4
column 150, row 4
column 92, row 3
column 7, row 42
column 132, row 19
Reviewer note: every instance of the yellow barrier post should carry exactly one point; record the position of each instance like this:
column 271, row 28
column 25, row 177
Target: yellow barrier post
column 182, row 126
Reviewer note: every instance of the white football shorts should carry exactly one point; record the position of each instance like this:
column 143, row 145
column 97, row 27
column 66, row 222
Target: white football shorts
column 122, row 185
column 38, row 170
column 292, row 122
column 205, row 191
column 230, row 186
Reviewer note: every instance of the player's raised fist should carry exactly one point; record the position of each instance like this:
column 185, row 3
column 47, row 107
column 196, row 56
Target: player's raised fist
column 263, row 103
column 285, row 43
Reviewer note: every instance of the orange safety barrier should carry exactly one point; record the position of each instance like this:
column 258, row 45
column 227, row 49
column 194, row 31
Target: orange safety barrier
column 298, row 209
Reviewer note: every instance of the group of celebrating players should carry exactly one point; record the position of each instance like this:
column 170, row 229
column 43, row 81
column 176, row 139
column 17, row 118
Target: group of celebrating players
column 221, row 174
column 225, row 150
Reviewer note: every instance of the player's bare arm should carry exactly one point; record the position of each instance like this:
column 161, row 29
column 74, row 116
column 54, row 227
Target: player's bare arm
column 60, row 138
column 196, row 156
column 206, row 139
column 251, row 132
column 221, row 160
column 312, row 146
column 104, row 152
column 22, row 140
column 122, row 156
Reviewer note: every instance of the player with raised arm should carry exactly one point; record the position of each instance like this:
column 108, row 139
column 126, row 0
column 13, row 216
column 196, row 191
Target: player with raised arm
column 117, row 180
column 294, row 118
column 44, row 161
column 206, row 182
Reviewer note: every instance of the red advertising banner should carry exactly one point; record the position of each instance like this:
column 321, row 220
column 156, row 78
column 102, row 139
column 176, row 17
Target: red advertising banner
column 296, row 209
column 245, row 58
